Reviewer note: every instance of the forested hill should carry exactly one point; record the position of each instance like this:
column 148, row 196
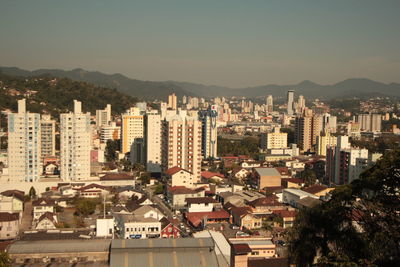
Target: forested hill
column 47, row 94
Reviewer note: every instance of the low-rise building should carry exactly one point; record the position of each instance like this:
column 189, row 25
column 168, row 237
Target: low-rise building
column 169, row 228
column 180, row 177
column 136, row 227
column 200, row 219
column 9, row 225
column 177, row 195
column 245, row 249
column 243, row 217
column 266, row 177
column 291, row 196
column 105, row 227
column 200, row 204
column 47, row 221
column 41, row 206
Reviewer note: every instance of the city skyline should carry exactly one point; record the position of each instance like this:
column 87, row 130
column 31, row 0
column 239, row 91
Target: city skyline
column 231, row 43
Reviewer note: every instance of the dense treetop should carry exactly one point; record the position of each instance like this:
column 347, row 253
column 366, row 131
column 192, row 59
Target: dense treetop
column 47, row 94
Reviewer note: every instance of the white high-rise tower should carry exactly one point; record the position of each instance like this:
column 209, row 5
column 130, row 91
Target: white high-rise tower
column 24, row 155
column 75, row 140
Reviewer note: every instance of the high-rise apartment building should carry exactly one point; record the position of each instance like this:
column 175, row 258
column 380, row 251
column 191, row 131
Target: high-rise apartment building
column 24, row 151
column 303, row 132
column 270, row 103
column 153, row 141
column 290, row 102
column 209, row 137
column 110, row 132
column 133, row 135
column 75, row 137
column 182, row 144
column 323, row 141
column 48, row 136
column 344, row 164
column 172, row 102
column 103, row 116
column 329, row 123
column 301, row 104
column 274, row 140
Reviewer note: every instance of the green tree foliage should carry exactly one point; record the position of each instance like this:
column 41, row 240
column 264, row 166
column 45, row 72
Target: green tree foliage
column 359, row 225
column 5, row 260
column 247, row 146
column 145, row 178
column 159, row 189
column 55, row 95
column 112, row 146
column 32, row 192
column 308, row 175
column 85, row 207
column 379, row 144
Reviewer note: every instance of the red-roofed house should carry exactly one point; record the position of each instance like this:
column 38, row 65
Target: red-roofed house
column 288, row 217
column 318, row 190
column 265, row 205
column 169, row 229
column 196, row 219
column 180, row 177
column 243, row 216
column 216, row 176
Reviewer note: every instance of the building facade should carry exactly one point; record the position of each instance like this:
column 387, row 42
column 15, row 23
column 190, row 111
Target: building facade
column 24, row 145
column 75, row 140
column 209, row 136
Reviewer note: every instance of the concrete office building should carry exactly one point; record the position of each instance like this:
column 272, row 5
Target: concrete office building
column 48, row 136
column 209, row 136
column 75, row 136
column 103, row 116
column 24, row 145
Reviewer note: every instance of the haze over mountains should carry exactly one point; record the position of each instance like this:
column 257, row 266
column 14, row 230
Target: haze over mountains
column 151, row 90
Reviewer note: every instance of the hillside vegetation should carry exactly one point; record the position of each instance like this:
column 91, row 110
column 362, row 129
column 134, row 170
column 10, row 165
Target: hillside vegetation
column 46, row 94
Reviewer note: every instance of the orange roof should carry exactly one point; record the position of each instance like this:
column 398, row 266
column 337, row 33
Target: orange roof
column 285, row 213
column 195, row 218
column 208, row 175
column 175, row 169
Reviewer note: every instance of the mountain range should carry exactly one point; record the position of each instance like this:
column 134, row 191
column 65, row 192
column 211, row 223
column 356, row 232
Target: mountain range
column 152, row 90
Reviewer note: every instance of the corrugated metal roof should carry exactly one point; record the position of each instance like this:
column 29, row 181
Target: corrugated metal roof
column 163, row 252
column 56, row 246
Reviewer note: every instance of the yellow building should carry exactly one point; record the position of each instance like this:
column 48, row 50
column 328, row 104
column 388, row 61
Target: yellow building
column 132, row 129
column 323, row 142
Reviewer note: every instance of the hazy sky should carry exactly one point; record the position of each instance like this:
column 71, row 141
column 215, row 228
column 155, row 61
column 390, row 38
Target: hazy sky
column 224, row 42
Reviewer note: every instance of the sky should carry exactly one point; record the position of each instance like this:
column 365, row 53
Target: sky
column 233, row 43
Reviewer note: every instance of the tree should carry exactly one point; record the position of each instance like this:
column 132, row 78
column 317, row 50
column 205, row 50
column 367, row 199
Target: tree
column 32, row 192
column 5, row 260
column 309, row 177
column 359, row 225
column 85, row 207
column 159, row 189
column 145, row 178
column 112, row 146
